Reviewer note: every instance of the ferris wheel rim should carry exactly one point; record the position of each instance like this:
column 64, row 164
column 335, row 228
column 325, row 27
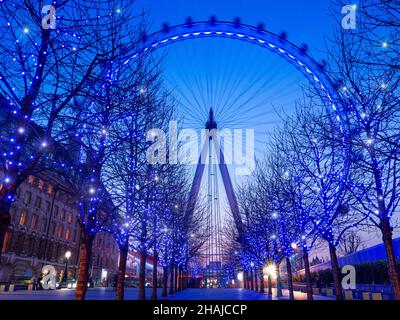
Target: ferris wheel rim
column 308, row 66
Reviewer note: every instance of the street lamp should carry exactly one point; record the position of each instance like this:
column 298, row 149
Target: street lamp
column 65, row 275
column 271, row 270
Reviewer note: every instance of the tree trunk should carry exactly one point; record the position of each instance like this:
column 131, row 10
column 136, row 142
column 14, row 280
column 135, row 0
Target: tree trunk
column 123, row 256
column 390, row 257
column 308, row 274
column 269, row 285
column 165, row 282
column 262, row 288
column 84, row 263
column 336, row 272
column 244, row 279
column 278, row 282
column 180, row 278
column 255, row 280
column 176, row 278
column 251, row 279
column 171, row 280
column 5, row 220
column 154, row 279
column 187, row 279
column 290, row 278
column 142, row 274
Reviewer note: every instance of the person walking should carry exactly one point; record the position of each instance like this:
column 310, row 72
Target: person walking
column 39, row 282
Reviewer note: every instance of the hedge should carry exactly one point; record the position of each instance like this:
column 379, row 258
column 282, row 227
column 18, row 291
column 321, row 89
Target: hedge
column 367, row 273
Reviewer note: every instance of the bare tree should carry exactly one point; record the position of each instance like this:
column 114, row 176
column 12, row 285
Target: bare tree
column 351, row 242
column 43, row 69
column 366, row 61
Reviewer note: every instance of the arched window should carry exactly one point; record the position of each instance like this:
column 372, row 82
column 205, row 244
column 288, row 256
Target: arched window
column 41, row 248
column 49, row 253
column 6, row 242
column 67, row 233
column 20, row 243
column 31, row 245
column 60, row 231
column 22, row 218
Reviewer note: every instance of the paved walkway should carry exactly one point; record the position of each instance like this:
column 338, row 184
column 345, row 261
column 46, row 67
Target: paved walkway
column 238, row 294
column 132, row 293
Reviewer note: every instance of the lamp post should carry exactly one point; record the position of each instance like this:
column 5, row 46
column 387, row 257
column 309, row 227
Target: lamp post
column 65, row 275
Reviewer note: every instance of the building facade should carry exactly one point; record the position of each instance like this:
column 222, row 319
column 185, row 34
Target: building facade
column 44, row 226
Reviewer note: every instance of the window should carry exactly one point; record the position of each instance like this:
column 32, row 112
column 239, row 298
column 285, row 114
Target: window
column 41, row 250
column 13, row 213
column 6, row 242
column 28, row 197
column 34, row 222
column 47, row 207
column 52, row 229
column 31, row 179
column 22, row 218
column 44, row 224
column 38, row 202
column 67, row 233
column 55, row 211
column 64, row 214
column 70, row 217
column 60, row 231
column 20, row 243
column 41, row 184
column 31, row 246
column 50, row 189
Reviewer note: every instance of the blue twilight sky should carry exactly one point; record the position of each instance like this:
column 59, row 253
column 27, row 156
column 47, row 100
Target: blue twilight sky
column 305, row 21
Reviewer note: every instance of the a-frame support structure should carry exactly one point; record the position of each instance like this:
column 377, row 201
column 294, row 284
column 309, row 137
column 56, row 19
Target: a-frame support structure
column 211, row 126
